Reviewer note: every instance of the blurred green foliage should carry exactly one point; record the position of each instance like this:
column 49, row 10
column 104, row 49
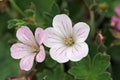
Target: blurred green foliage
column 88, row 69
column 39, row 13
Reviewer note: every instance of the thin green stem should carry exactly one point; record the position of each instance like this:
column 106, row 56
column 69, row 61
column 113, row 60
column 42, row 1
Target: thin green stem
column 92, row 20
column 92, row 17
column 92, row 23
column 17, row 8
column 86, row 4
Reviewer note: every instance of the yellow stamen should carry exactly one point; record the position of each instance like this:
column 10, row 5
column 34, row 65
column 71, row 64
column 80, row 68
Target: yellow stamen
column 69, row 41
column 35, row 49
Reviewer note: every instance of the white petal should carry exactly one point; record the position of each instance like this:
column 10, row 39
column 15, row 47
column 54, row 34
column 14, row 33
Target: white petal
column 63, row 25
column 81, row 31
column 52, row 38
column 25, row 35
column 77, row 52
column 59, row 54
column 20, row 50
column 40, row 57
column 26, row 63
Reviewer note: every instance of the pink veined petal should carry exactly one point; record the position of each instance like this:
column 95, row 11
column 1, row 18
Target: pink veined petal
column 25, row 35
column 39, row 35
column 26, row 63
column 80, row 32
column 63, row 25
column 77, row 52
column 41, row 55
column 117, row 10
column 52, row 38
column 20, row 50
column 59, row 54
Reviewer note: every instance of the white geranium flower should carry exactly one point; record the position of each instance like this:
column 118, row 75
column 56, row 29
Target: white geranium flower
column 67, row 42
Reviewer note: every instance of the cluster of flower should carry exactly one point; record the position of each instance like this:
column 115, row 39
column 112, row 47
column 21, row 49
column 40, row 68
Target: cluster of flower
column 65, row 42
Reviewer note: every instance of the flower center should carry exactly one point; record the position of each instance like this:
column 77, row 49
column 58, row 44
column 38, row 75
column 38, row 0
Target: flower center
column 35, row 49
column 68, row 41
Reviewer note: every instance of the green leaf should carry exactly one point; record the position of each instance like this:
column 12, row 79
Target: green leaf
column 49, row 16
column 42, row 6
column 105, row 76
column 100, row 63
column 9, row 67
column 80, row 70
column 55, row 9
column 50, row 62
column 15, row 23
column 68, row 77
column 23, row 4
column 92, row 70
column 56, row 74
column 93, row 49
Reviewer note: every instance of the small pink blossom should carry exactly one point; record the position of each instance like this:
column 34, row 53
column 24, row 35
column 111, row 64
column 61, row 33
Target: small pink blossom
column 29, row 48
column 115, row 20
column 67, row 42
column 100, row 37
